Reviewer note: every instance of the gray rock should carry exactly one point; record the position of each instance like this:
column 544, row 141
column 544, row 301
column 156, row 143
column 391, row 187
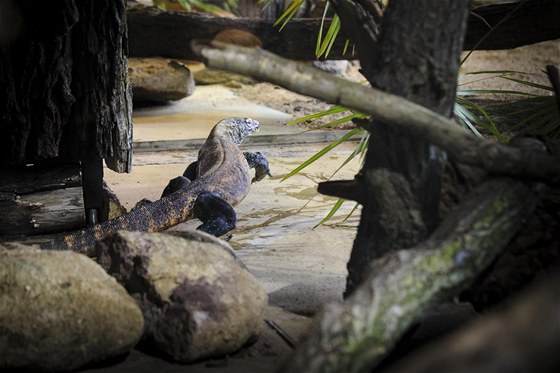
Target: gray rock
column 61, row 310
column 198, row 300
column 159, row 79
column 336, row 67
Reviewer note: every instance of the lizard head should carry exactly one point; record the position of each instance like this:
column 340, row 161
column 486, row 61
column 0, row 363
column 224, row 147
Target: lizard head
column 237, row 128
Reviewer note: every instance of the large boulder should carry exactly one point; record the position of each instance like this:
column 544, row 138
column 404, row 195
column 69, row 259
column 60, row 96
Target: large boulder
column 198, row 300
column 61, row 310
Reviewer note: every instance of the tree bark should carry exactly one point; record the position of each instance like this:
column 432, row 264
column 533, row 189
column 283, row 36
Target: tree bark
column 418, row 61
column 356, row 335
column 65, row 89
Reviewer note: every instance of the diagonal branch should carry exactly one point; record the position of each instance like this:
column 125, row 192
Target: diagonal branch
column 460, row 144
column 356, row 335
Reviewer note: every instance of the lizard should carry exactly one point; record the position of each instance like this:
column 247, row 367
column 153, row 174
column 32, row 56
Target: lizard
column 219, row 180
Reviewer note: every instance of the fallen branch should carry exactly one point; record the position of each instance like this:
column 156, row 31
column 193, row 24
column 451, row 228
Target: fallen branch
column 356, row 335
column 460, row 144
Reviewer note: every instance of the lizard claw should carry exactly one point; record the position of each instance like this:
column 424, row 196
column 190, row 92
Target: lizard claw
column 259, row 162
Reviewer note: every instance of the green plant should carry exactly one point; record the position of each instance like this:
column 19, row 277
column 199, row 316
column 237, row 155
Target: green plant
column 530, row 112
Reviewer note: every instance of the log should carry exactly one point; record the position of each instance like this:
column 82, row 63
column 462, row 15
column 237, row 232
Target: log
column 460, row 144
column 514, row 25
column 41, row 199
column 43, row 212
column 47, row 198
column 354, row 336
column 153, row 32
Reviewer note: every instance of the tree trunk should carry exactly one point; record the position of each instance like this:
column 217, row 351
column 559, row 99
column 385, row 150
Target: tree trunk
column 65, row 92
column 418, row 60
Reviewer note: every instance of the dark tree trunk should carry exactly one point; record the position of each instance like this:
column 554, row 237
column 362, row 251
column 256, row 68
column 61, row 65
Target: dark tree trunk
column 417, row 60
column 65, row 89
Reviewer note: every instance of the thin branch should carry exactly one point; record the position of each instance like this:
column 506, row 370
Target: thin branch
column 460, row 144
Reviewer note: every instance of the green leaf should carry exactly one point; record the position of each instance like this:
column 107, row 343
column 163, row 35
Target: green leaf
column 320, row 36
column 289, row 13
column 528, row 83
column 356, row 205
column 333, row 210
column 473, row 92
column 323, row 151
column 501, row 72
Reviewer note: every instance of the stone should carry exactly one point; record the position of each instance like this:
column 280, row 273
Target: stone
column 60, row 310
column 198, row 300
column 208, row 76
column 159, row 79
column 336, row 67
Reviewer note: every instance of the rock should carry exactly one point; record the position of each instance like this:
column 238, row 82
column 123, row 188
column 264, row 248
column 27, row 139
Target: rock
column 113, row 208
column 197, row 300
column 209, row 76
column 60, row 311
column 159, row 79
column 336, row 67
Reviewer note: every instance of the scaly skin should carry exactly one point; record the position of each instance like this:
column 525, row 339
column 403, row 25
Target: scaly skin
column 222, row 168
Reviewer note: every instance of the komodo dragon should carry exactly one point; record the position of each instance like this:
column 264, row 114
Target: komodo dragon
column 220, row 180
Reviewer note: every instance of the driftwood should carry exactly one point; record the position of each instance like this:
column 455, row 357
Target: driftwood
column 459, row 143
column 523, row 338
column 153, row 32
column 356, row 335
column 45, row 199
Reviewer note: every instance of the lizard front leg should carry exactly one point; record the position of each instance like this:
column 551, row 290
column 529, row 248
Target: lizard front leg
column 181, row 182
column 259, row 162
column 217, row 215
